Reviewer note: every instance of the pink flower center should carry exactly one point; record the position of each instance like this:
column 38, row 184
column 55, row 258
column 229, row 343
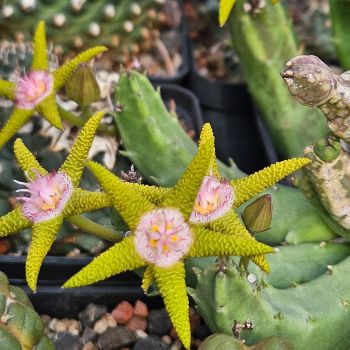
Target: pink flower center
column 48, row 195
column 32, row 88
column 163, row 237
column 214, row 199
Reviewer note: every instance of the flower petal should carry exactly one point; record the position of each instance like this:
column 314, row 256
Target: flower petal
column 247, row 187
column 154, row 194
column 172, row 286
column 230, row 224
column 26, row 160
column 225, row 8
column 210, row 243
column 13, row 222
column 49, row 110
column 74, row 164
column 17, row 119
column 207, row 135
column 119, row 258
column 184, row 193
column 130, row 204
column 63, row 73
column 7, row 89
column 40, row 61
column 83, row 201
column 148, row 277
column 44, row 234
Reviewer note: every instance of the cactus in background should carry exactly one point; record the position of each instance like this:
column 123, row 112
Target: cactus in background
column 155, row 142
column 123, row 26
column 312, row 315
column 264, row 42
column 20, row 326
column 340, row 12
column 16, row 59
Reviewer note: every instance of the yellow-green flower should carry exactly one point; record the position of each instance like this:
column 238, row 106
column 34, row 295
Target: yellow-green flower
column 163, row 235
column 36, row 90
column 51, row 198
column 215, row 201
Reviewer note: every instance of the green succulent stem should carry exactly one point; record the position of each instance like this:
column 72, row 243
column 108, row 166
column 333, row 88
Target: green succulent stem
column 96, row 229
column 264, row 42
column 75, row 120
column 340, row 12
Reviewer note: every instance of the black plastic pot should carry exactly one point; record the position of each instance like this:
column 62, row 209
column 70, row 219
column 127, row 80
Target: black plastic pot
column 237, row 136
column 187, row 105
column 231, row 112
column 184, row 68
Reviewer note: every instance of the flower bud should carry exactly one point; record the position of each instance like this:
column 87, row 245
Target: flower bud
column 257, row 216
column 82, row 87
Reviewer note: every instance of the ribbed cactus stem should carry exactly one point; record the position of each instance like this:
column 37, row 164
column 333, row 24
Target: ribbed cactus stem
column 313, row 84
column 264, row 42
column 72, row 25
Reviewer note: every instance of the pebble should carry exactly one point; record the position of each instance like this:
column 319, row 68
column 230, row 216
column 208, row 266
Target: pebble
column 101, row 325
column 89, row 335
column 167, row 339
column 123, row 312
column 110, row 320
column 141, row 334
column 89, row 346
column 176, row 345
column 66, row 340
column 140, row 309
column 159, row 322
column 91, row 314
column 151, row 343
column 137, row 323
column 115, row 338
column 46, row 320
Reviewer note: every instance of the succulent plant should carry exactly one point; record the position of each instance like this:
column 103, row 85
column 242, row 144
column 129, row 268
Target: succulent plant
column 312, row 83
column 325, row 181
column 36, row 90
column 312, row 315
column 143, row 117
column 255, row 37
column 122, row 26
column 20, row 326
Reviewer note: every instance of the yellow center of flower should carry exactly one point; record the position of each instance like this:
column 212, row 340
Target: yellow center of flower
column 52, row 202
column 206, row 207
column 34, row 94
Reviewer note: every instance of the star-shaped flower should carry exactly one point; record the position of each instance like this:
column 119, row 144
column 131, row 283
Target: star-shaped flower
column 222, row 196
column 52, row 197
column 163, row 236
column 217, row 197
column 36, row 90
